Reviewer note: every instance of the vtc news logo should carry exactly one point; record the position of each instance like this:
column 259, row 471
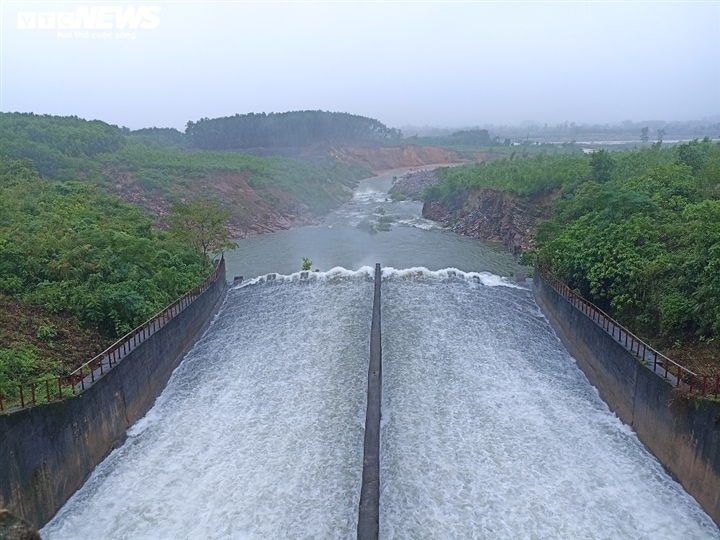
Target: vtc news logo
column 92, row 18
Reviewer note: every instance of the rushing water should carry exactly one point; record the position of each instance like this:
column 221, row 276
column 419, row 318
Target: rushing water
column 489, row 429
column 259, row 433
column 345, row 239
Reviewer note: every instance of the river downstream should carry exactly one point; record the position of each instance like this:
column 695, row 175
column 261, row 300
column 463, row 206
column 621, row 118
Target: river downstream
column 370, row 228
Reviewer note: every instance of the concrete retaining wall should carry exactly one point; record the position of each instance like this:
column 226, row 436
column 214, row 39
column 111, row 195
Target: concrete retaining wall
column 48, row 451
column 684, row 436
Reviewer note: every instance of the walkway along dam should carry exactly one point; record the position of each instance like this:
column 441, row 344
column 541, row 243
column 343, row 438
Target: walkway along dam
column 311, row 410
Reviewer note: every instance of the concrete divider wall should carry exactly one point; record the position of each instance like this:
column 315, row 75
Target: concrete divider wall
column 48, row 451
column 369, row 512
column 684, row 436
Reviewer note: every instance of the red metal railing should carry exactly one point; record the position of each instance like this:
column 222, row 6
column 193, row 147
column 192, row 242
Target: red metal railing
column 55, row 388
column 701, row 385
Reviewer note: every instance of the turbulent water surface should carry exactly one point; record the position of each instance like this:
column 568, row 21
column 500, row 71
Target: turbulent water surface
column 489, row 429
column 259, row 433
column 369, row 229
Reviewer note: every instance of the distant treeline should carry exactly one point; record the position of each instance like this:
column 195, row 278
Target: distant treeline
column 466, row 137
column 288, row 129
column 648, row 131
column 641, row 132
column 59, row 146
column 474, row 138
column 75, row 137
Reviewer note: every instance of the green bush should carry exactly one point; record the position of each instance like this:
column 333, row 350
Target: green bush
column 530, row 176
column 21, row 365
column 645, row 244
column 75, row 250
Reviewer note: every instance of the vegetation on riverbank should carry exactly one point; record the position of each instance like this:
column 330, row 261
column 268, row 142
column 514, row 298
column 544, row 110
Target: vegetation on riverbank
column 637, row 233
column 36, row 344
column 154, row 168
column 531, row 176
column 78, row 268
column 175, row 174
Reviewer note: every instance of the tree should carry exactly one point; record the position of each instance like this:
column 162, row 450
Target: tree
column 644, row 137
column 692, row 154
column 602, row 165
column 203, row 225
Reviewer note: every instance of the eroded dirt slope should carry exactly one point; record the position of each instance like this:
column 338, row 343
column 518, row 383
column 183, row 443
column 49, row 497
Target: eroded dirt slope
column 252, row 211
column 385, row 158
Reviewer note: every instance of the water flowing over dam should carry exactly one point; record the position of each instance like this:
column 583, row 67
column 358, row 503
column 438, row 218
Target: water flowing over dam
column 489, row 429
column 258, row 434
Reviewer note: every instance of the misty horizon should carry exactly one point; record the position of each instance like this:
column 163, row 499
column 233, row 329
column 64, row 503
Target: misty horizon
column 406, row 128
column 450, row 65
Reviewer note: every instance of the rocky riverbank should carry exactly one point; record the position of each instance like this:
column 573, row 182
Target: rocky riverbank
column 493, row 215
column 412, row 185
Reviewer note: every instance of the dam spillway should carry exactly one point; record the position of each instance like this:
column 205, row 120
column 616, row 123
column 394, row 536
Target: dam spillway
column 258, row 434
column 489, row 430
column 492, row 432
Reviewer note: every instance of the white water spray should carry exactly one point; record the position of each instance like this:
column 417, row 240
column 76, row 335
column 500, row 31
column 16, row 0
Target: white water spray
column 492, row 432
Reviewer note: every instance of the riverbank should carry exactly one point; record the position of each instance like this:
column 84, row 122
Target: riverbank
column 494, row 216
column 633, row 232
column 412, row 185
column 403, row 239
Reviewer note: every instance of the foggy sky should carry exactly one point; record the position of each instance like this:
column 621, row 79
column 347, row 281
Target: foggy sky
column 439, row 64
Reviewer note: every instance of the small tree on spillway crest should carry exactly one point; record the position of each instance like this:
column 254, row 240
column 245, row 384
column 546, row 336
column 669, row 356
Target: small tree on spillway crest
column 203, row 225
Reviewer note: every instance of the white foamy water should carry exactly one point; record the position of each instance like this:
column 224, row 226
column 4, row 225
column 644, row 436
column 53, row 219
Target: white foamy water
column 491, row 432
column 259, row 433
